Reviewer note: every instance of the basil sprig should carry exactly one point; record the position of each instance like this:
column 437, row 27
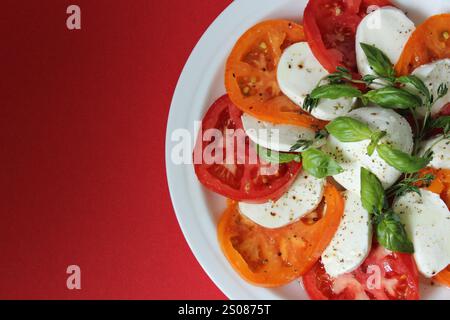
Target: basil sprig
column 389, row 97
column 319, row 164
column 393, row 98
column 391, row 233
column 347, row 129
column 277, row 157
column 402, row 161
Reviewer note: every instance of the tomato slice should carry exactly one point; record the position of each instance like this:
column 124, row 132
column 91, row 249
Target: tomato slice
column 441, row 186
column 251, row 74
column 445, row 111
column 330, row 28
column 241, row 176
column 443, row 277
column 384, row 275
column 274, row 257
column 429, row 42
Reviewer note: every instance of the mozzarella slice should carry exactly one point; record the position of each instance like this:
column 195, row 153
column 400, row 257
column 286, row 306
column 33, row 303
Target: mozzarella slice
column 434, row 74
column 299, row 72
column 352, row 241
column 353, row 155
column 277, row 137
column 302, row 198
column 388, row 29
column 427, row 222
column 441, row 152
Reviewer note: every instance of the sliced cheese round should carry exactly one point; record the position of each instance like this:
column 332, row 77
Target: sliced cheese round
column 388, row 29
column 353, row 155
column 299, row 72
column 352, row 242
column 277, row 137
column 441, row 152
column 302, row 198
column 433, row 75
column 427, row 222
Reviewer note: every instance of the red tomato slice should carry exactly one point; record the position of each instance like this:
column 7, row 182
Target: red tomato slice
column 330, row 28
column 445, row 111
column 383, row 276
column 240, row 179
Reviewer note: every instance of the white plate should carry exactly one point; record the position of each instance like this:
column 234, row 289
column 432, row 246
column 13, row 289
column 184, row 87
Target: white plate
column 200, row 83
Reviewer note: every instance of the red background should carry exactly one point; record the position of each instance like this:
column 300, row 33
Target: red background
column 82, row 129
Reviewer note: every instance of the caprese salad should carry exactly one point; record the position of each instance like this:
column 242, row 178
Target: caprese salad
column 332, row 145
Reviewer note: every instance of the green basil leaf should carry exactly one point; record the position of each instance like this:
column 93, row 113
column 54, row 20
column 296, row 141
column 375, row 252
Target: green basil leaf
column 375, row 139
column 394, row 98
column 378, row 61
column 372, row 192
column 391, row 234
column 401, row 160
column 319, row 164
column 277, row 157
column 335, row 91
column 347, row 129
column 417, row 83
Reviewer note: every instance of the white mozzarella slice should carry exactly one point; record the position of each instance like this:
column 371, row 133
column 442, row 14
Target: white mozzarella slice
column 427, row 222
column 388, row 29
column 302, row 198
column 441, row 152
column 299, row 72
column 277, row 137
column 435, row 74
column 353, row 155
column 352, row 241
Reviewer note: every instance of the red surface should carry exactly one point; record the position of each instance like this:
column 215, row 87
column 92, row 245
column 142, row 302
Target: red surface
column 82, row 128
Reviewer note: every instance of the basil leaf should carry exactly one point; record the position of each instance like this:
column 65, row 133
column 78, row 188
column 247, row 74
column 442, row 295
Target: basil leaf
column 401, row 160
column 378, row 61
column 277, row 157
column 335, row 91
column 372, row 192
column 319, row 164
column 347, row 129
column 394, row 98
column 417, row 83
column 375, row 139
column 391, row 234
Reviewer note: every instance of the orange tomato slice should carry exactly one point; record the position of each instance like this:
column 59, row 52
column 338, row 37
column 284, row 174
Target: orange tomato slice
column 429, row 42
column 443, row 277
column 251, row 74
column 274, row 257
column 441, row 186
